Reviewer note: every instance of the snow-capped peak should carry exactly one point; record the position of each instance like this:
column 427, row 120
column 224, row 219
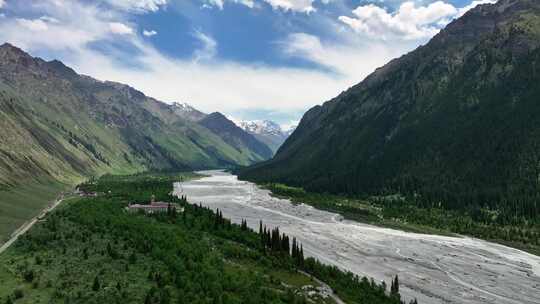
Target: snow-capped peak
column 261, row 127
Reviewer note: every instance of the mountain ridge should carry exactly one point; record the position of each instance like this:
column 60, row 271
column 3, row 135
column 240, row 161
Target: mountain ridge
column 236, row 136
column 62, row 127
column 403, row 128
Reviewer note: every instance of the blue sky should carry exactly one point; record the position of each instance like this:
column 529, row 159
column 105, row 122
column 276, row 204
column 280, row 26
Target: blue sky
column 250, row 59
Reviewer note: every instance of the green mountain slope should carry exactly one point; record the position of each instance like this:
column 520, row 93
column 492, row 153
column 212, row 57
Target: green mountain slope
column 245, row 143
column 61, row 127
column 454, row 123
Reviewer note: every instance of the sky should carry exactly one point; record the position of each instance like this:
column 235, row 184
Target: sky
column 249, row 59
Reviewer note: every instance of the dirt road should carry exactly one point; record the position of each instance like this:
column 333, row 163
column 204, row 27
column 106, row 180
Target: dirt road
column 24, row 228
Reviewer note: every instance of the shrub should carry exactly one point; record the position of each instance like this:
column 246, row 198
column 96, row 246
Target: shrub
column 18, row 294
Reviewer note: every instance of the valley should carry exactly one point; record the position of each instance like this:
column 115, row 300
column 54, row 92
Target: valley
column 60, row 128
column 432, row 268
column 407, row 180
column 91, row 250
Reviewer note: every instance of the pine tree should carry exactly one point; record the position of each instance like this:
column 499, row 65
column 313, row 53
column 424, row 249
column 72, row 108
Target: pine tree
column 394, row 288
column 96, row 285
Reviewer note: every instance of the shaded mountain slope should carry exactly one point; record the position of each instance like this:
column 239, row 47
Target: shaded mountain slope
column 453, row 123
column 235, row 136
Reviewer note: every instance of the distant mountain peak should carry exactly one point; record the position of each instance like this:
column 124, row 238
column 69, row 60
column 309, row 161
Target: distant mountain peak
column 187, row 111
column 266, row 131
column 261, row 127
column 10, row 54
column 8, row 47
column 236, row 136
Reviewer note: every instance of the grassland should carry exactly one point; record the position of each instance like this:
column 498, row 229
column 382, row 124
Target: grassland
column 90, row 250
column 25, row 201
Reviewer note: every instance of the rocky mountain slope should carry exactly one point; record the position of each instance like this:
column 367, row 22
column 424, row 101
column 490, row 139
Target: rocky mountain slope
column 187, row 112
column 266, row 131
column 454, row 123
column 245, row 143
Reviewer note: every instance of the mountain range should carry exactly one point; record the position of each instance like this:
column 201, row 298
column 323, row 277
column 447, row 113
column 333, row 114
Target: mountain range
column 62, row 127
column 454, row 123
column 267, row 132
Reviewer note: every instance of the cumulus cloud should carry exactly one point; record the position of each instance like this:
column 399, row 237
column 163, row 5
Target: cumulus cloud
column 409, row 22
column 473, row 4
column 120, row 28
column 149, row 33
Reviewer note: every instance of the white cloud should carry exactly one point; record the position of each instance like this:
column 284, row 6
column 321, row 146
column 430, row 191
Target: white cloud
column 120, row 28
column 474, row 4
column 409, row 22
column 77, row 25
column 351, row 61
column 149, row 33
column 36, row 25
column 204, row 80
column 304, row 6
column 140, row 6
column 2, row 3
column 289, row 125
column 221, row 3
column 49, row 19
column 208, row 49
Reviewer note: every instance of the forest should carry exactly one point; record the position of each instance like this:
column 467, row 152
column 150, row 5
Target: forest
column 90, row 250
column 451, row 129
column 406, row 213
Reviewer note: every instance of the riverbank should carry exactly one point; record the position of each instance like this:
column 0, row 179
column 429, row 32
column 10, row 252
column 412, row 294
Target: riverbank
column 432, row 268
column 90, row 250
column 395, row 213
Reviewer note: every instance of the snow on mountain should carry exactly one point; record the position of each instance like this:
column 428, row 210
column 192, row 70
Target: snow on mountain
column 187, row 111
column 266, row 131
column 262, row 127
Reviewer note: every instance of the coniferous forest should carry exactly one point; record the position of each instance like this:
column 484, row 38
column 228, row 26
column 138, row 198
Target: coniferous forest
column 92, row 250
column 451, row 127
